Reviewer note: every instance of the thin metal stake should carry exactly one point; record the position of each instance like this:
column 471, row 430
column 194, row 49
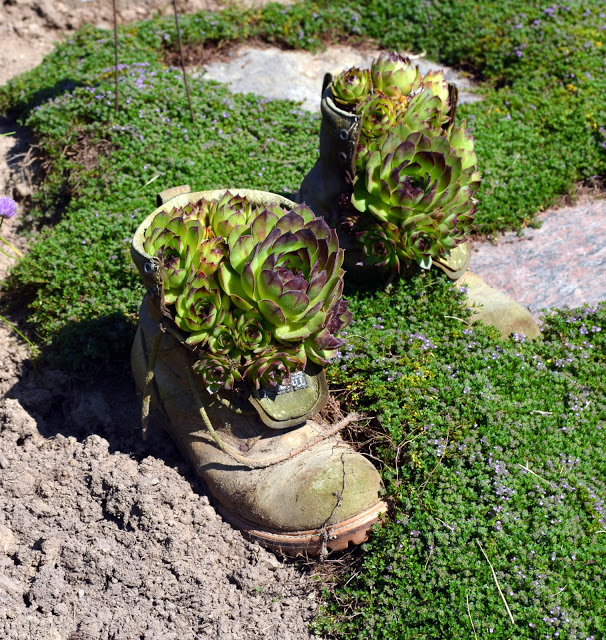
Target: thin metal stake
column 191, row 110
column 115, row 53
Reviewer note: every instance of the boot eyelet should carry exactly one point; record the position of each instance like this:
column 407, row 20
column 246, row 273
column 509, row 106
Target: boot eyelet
column 344, row 134
column 342, row 157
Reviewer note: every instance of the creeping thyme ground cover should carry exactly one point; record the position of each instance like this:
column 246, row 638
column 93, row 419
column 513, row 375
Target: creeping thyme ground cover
column 487, row 446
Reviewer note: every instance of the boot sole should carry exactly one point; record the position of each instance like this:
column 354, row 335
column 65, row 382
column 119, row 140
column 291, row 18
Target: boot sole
column 315, row 542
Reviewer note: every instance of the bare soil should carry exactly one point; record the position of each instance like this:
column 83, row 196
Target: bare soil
column 103, row 536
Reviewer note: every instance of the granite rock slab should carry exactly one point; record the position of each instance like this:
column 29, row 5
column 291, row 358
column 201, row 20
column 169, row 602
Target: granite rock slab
column 561, row 264
column 297, row 75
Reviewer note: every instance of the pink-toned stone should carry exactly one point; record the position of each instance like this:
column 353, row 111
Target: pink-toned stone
column 561, row 264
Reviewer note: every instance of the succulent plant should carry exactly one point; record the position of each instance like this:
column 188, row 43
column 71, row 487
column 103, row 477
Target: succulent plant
column 351, row 86
column 380, row 246
column 251, row 334
column 256, row 291
column 273, row 367
column 416, row 171
column 200, row 308
column 424, row 111
column 417, row 184
column 394, row 75
column 179, row 241
column 229, row 212
column 217, row 371
column 287, row 269
column 435, row 83
column 379, row 115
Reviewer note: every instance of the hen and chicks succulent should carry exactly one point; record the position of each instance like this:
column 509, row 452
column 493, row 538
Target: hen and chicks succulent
column 416, row 176
column 256, row 291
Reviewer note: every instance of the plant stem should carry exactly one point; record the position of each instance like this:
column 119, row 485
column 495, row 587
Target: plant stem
column 494, row 575
column 14, row 328
column 6, row 242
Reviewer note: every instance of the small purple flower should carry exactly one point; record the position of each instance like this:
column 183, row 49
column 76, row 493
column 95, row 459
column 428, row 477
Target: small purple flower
column 8, row 207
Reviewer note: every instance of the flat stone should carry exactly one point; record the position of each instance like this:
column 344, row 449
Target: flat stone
column 561, row 264
column 297, row 75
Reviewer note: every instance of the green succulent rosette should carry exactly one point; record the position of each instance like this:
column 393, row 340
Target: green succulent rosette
column 177, row 240
column 251, row 334
column 222, row 339
column 352, row 86
column 379, row 244
column 274, row 367
column 200, row 308
column 255, row 291
column 217, row 371
column 416, row 172
column 424, row 111
column 415, row 184
column 379, row 115
column 394, row 75
column 287, row 269
column 230, row 211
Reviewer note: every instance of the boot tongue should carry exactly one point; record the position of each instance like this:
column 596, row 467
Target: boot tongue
column 290, row 405
column 455, row 264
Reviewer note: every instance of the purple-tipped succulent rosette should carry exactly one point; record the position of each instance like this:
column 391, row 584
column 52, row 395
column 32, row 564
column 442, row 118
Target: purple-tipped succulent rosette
column 256, row 291
column 416, row 177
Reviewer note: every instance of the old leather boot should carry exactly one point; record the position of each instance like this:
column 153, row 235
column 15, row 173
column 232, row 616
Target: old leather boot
column 287, row 480
column 496, row 309
column 328, row 186
column 322, row 495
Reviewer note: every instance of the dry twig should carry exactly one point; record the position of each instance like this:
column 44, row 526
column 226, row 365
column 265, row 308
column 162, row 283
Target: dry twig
column 494, row 575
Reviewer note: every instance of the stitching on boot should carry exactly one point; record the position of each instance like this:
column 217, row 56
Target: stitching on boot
column 149, row 385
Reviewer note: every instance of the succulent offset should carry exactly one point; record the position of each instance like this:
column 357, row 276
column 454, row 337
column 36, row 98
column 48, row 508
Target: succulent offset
column 352, row 86
column 416, row 175
column 255, row 291
column 394, row 75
